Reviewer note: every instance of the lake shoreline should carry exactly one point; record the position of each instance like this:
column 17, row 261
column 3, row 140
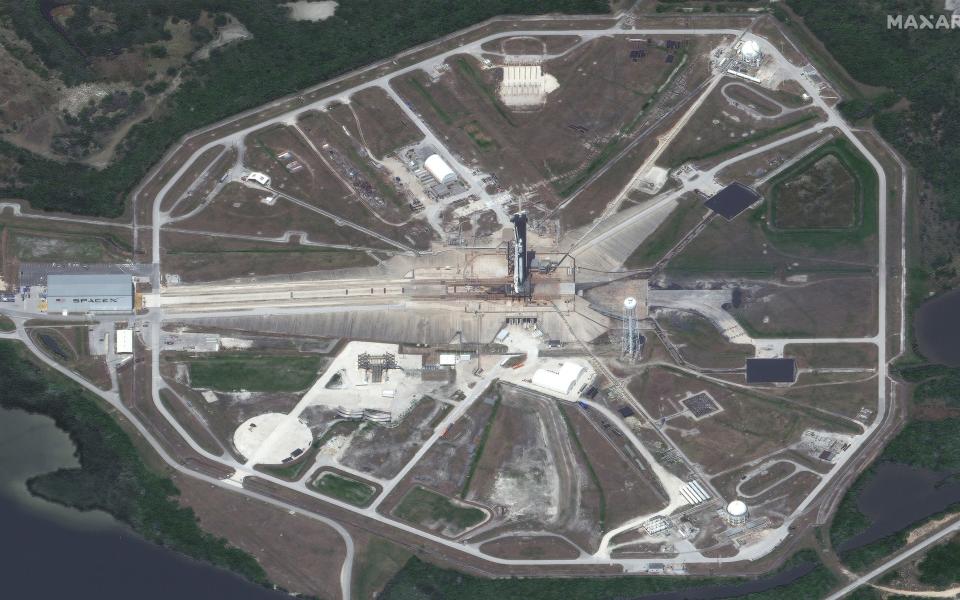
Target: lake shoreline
column 111, row 477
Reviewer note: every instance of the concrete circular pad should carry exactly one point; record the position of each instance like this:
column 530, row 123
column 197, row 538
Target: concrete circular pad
column 272, row 437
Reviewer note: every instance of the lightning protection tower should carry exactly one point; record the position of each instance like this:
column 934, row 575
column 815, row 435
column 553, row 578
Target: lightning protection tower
column 631, row 334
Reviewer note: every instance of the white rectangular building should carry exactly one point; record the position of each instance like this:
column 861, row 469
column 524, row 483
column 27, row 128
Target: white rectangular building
column 77, row 293
column 261, row 178
column 124, row 341
column 560, row 381
column 439, row 169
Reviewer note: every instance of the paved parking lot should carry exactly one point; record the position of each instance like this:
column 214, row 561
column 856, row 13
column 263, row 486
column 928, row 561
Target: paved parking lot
column 34, row 274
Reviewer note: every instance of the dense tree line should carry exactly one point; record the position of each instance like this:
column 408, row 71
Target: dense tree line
column 918, row 65
column 940, row 567
column 419, row 580
column 935, row 384
column 283, row 56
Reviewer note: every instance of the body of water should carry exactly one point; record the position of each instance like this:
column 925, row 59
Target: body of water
column 57, row 552
column 937, row 328
column 900, row 495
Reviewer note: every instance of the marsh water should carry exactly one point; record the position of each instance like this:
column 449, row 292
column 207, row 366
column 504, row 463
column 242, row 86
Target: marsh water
column 57, row 552
column 898, row 496
column 937, row 328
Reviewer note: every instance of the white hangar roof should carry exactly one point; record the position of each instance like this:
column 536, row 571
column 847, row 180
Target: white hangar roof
column 561, row 381
column 439, row 168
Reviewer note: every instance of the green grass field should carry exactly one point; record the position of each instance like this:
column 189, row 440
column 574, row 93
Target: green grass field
column 867, row 204
column 343, row 488
column 478, row 452
column 685, row 216
column 6, row 324
column 743, row 142
column 749, row 246
column 31, row 247
column 431, row 100
column 471, row 74
column 424, row 506
column 375, row 565
column 254, row 373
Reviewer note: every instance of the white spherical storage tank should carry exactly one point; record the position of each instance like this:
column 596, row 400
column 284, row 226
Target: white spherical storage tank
column 750, row 51
column 737, row 512
column 630, row 303
column 439, row 169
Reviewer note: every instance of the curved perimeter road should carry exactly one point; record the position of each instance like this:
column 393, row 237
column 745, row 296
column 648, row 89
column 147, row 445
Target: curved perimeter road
column 804, row 75
column 113, row 398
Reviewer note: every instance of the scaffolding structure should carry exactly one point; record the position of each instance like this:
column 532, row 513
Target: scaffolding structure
column 630, row 344
column 376, row 365
column 521, row 286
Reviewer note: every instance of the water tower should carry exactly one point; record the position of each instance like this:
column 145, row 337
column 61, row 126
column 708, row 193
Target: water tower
column 737, row 513
column 631, row 334
column 750, row 53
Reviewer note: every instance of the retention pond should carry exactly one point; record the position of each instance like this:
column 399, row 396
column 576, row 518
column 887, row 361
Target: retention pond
column 937, row 328
column 898, row 496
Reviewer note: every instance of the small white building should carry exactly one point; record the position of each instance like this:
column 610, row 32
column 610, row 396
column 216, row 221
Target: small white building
column 261, row 178
column 439, row 169
column 560, row 381
column 124, row 341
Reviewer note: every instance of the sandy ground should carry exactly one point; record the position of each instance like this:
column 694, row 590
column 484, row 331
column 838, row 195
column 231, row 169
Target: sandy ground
column 304, row 10
column 298, row 554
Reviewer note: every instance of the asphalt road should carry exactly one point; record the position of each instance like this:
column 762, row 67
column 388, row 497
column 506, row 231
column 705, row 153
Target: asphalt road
column 896, row 560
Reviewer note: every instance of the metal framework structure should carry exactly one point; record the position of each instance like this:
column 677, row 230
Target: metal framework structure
column 631, row 333
column 377, row 365
column 520, row 267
